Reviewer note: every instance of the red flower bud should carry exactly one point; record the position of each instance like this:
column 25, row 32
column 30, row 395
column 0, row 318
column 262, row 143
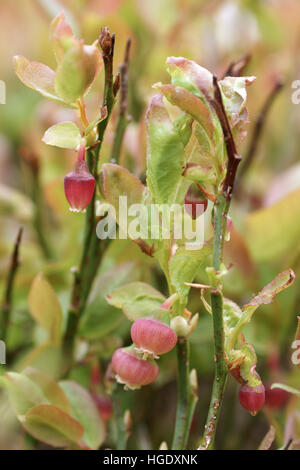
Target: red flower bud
column 276, row 397
column 195, row 202
column 79, row 186
column 153, row 336
column 252, row 398
column 131, row 371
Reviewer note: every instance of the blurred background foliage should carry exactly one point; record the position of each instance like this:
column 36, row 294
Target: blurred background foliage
column 265, row 210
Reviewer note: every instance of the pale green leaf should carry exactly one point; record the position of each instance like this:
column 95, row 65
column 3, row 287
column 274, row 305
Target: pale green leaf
column 165, row 154
column 76, row 72
column 37, row 76
column 23, row 392
column 183, row 267
column 64, row 135
column 136, row 299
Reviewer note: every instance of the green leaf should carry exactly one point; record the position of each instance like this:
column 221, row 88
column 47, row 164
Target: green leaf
column 183, row 125
column 65, row 135
column 76, row 72
column 183, row 266
column 45, row 308
column 23, row 392
column 165, row 154
column 50, row 389
column 37, row 76
column 100, row 318
column 86, row 413
column 232, row 314
column 281, row 222
column 200, row 174
column 188, row 103
column 136, row 299
column 51, row 425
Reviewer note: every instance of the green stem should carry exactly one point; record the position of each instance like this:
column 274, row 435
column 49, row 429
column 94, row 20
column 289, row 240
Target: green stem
column 122, row 434
column 221, row 211
column 185, row 408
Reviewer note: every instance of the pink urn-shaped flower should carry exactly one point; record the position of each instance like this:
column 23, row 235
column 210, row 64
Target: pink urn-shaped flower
column 132, row 371
column 153, row 337
column 79, row 185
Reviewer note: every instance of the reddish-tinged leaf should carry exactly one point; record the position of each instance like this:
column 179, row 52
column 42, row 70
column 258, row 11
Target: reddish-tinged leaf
column 188, row 103
column 37, row 76
column 266, row 296
column 51, row 425
column 191, row 76
column 52, row 391
column 61, row 36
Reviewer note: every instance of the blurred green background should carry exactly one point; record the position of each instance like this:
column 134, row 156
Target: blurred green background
column 265, row 211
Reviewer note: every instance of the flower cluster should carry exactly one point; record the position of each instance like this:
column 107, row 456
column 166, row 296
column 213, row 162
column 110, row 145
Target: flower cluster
column 135, row 366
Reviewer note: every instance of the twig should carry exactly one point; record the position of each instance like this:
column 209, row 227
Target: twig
column 7, row 302
column 107, row 43
column 237, row 67
column 258, row 129
column 123, row 118
column 220, row 214
column 233, row 157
